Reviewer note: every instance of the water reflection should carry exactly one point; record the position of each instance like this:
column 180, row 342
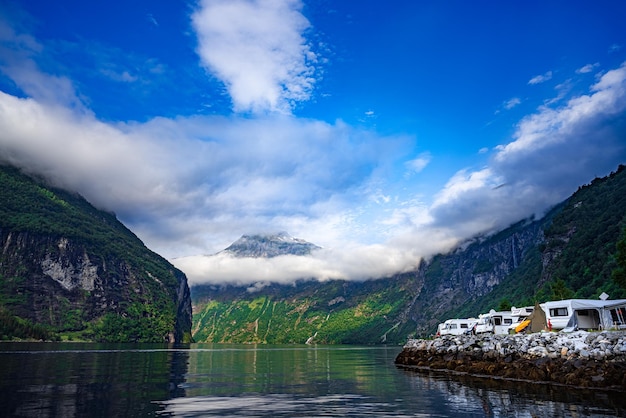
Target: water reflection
column 228, row 369
column 51, row 380
column 499, row 397
column 66, row 380
column 283, row 405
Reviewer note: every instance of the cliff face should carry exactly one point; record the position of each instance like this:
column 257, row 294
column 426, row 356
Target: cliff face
column 78, row 272
column 456, row 280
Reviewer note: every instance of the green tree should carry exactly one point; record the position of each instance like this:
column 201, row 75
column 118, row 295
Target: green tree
column 505, row 305
column 560, row 291
column 619, row 272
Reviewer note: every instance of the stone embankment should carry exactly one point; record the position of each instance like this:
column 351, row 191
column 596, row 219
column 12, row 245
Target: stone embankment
column 584, row 359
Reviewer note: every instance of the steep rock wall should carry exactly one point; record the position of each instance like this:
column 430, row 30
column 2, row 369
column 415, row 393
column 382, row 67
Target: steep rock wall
column 64, row 283
column 469, row 273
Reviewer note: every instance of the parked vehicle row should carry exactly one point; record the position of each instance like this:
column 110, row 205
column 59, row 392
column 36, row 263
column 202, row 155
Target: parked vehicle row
column 566, row 315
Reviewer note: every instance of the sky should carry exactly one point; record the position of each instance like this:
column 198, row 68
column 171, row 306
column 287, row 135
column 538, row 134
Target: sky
column 384, row 132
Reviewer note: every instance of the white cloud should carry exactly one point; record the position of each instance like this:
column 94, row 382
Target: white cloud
column 360, row 262
column 587, row 68
column 192, row 185
column 16, row 61
column 553, row 151
column 511, row 103
column 150, row 17
column 542, row 78
column 198, row 183
column 558, row 126
column 463, row 183
column 258, row 49
column 418, row 164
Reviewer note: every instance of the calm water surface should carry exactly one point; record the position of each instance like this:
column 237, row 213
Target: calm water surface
column 67, row 380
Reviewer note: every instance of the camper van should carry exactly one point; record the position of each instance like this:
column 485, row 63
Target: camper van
column 587, row 314
column 519, row 315
column 456, row 326
column 494, row 322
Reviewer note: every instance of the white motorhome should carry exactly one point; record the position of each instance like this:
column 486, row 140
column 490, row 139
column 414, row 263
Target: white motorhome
column 519, row 315
column 587, row 314
column 456, row 326
column 494, row 322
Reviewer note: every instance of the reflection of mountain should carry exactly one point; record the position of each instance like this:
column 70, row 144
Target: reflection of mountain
column 89, row 379
column 270, row 245
column 286, row 381
column 225, row 369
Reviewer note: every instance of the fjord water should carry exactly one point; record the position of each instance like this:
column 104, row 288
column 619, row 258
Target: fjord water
column 76, row 379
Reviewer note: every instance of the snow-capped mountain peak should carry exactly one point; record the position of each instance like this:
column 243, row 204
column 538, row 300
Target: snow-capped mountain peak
column 269, row 245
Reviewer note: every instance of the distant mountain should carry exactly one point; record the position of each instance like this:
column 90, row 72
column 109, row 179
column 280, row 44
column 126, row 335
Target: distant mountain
column 269, row 245
column 570, row 252
column 71, row 271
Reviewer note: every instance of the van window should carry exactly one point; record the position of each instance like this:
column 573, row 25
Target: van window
column 558, row 312
column 463, row 325
column 452, row 326
column 497, row 320
column 508, row 321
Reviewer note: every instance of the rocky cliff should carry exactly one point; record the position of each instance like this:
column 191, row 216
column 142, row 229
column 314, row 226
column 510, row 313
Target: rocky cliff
column 79, row 273
column 456, row 280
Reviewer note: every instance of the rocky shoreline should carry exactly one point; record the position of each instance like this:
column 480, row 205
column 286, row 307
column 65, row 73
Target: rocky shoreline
column 582, row 359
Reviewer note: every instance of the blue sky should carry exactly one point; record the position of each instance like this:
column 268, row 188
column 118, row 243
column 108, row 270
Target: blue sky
column 383, row 131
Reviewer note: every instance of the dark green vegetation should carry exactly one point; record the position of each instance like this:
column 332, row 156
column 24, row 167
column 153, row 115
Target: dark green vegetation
column 68, row 270
column 577, row 250
column 571, row 252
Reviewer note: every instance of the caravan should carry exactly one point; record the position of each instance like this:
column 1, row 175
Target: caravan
column 588, row 314
column 456, row 326
column 494, row 322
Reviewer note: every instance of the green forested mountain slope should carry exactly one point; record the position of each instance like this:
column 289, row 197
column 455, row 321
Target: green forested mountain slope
column 571, row 252
column 572, row 255
column 68, row 269
column 583, row 236
column 328, row 312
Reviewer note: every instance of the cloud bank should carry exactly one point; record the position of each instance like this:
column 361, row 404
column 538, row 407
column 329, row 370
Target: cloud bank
column 552, row 152
column 191, row 185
